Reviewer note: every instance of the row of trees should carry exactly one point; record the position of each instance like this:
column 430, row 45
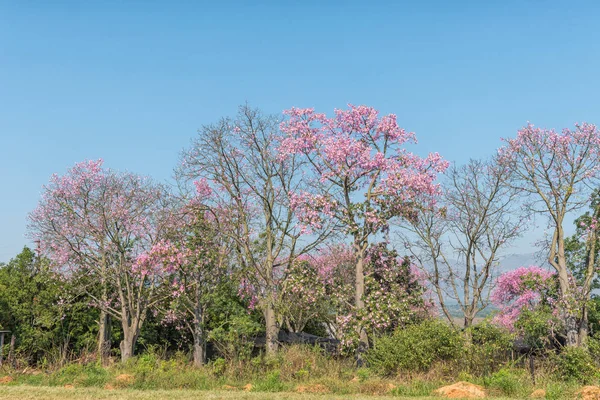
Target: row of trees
column 299, row 214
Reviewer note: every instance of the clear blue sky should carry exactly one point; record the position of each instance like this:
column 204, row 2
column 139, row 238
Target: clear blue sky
column 132, row 81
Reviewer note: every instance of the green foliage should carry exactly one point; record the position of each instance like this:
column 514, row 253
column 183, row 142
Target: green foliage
column 415, row 348
column 416, row 388
column 576, row 363
column 489, row 347
column 505, row 381
column 47, row 314
column 536, row 326
column 271, row 383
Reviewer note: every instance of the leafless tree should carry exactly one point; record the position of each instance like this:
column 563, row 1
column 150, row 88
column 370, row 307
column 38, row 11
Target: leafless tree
column 237, row 158
column 458, row 243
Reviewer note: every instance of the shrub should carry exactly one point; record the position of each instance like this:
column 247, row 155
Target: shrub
column 491, row 346
column 505, row 381
column 576, row 363
column 415, row 348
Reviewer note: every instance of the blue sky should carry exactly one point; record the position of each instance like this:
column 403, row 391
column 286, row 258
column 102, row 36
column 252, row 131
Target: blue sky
column 132, row 81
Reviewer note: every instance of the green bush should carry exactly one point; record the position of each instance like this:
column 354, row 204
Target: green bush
column 415, row 348
column 576, row 363
column 490, row 348
column 504, row 381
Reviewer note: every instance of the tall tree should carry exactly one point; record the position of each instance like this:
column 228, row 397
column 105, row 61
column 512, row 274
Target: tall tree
column 581, row 252
column 103, row 223
column 237, row 160
column 361, row 177
column 199, row 258
column 458, row 244
column 557, row 170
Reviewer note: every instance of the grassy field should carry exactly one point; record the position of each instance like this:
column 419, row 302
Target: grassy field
column 23, row 392
column 58, row 393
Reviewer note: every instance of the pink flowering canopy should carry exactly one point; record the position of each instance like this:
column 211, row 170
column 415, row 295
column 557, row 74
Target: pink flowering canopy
column 360, row 171
column 395, row 293
column 93, row 220
column 558, row 167
column 522, row 289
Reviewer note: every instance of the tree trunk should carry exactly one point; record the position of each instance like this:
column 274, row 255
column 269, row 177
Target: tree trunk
column 569, row 319
column 359, row 303
column 583, row 328
column 560, row 264
column 199, row 343
column 468, row 321
column 130, row 335
column 104, row 338
column 104, row 330
column 11, row 351
column 272, row 331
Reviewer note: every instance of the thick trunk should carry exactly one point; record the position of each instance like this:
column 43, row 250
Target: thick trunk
column 130, row 335
column 359, row 303
column 568, row 317
column 560, row 264
column 468, row 321
column 199, row 343
column 272, row 331
column 583, row 328
column 104, row 338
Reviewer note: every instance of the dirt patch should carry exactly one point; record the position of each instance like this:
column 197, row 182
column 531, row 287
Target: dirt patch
column 317, row 388
column 248, row 387
column 538, row 394
column 125, row 378
column 69, row 387
column 589, row 393
column 6, row 379
column 461, row 390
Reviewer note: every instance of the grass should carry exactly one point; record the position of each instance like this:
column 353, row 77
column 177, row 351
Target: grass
column 297, row 373
column 23, row 392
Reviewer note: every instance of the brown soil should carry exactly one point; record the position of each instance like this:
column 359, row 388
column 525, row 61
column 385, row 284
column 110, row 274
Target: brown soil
column 461, row 390
column 538, row 394
column 6, row 379
column 589, row 393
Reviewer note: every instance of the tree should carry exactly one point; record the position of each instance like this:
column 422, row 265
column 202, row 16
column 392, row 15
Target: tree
column 581, row 252
column 457, row 244
column 361, row 177
column 199, row 257
column 236, row 160
column 103, row 223
column 47, row 316
column 556, row 170
column 527, row 300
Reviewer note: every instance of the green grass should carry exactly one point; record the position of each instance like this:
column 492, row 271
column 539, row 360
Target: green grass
column 24, row 392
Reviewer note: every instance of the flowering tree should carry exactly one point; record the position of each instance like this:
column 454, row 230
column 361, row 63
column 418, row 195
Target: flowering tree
column 522, row 289
column 457, row 243
column 581, row 252
column 104, row 223
column 236, row 160
column 556, row 170
column 361, row 177
column 395, row 295
column 198, row 256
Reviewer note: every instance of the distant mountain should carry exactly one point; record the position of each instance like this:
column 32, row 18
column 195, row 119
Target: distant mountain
column 514, row 261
